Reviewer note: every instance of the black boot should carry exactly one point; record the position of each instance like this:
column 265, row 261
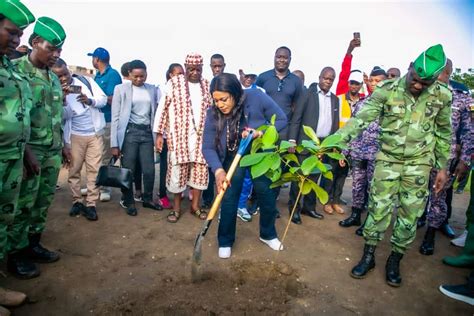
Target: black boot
column 20, row 266
column 296, row 216
column 38, row 253
column 392, row 269
column 360, row 231
column 427, row 246
column 353, row 220
column 366, row 263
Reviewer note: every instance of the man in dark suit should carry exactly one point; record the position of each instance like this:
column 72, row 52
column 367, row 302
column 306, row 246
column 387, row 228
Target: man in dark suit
column 319, row 109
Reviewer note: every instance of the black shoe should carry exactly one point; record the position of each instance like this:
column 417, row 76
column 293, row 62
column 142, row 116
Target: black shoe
column 447, row 230
column 206, row 205
column 152, row 205
column 427, row 246
column 392, row 269
column 366, row 263
column 312, row 213
column 353, row 220
column 131, row 210
column 90, row 213
column 37, row 253
column 21, row 267
column 76, row 209
column 460, row 292
column 296, row 218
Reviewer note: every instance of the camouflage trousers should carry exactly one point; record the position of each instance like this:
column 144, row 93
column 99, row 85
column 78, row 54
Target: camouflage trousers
column 437, row 207
column 362, row 173
column 406, row 183
column 11, row 172
column 36, row 195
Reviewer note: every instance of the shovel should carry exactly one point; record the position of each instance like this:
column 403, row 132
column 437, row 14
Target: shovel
column 197, row 254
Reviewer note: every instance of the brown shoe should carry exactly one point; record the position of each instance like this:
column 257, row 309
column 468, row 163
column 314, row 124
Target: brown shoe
column 338, row 209
column 11, row 298
column 328, row 209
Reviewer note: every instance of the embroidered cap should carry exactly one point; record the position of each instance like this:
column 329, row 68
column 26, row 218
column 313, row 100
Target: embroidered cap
column 430, row 63
column 16, row 12
column 193, row 59
column 50, row 30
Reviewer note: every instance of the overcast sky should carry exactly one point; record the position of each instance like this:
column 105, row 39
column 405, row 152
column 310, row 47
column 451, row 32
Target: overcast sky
column 248, row 32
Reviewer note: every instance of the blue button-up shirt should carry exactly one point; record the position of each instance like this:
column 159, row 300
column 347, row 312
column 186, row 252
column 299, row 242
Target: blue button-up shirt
column 107, row 82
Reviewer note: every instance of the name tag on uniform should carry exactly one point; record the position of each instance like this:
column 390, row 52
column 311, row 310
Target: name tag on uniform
column 55, row 97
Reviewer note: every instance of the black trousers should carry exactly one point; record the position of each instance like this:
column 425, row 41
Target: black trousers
column 163, row 169
column 138, row 146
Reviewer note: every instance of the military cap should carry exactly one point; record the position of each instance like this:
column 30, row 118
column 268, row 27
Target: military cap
column 16, row 12
column 50, row 30
column 430, row 63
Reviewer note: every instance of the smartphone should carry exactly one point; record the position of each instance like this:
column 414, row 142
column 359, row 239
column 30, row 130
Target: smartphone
column 357, row 36
column 75, row 89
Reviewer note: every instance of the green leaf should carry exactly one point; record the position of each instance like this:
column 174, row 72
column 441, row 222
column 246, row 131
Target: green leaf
column 331, row 141
column 276, row 184
column 256, row 145
column 291, row 157
column 274, row 161
column 299, row 149
column 306, row 188
column 259, row 169
column 310, row 146
column 294, row 170
column 328, row 175
column 252, row 159
column 276, row 175
column 320, row 193
column 286, row 144
column 321, row 166
column 288, row 176
column 336, row 156
column 309, row 164
column 273, row 119
column 270, row 137
column 311, row 134
column 262, row 128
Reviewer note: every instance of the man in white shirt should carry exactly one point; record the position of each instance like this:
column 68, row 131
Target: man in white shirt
column 83, row 125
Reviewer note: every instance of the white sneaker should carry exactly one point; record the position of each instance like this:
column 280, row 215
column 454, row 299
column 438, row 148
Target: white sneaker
column 225, row 252
column 84, row 191
column 104, row 196
column 461, row 240
column 244, row 215
column 274, row 243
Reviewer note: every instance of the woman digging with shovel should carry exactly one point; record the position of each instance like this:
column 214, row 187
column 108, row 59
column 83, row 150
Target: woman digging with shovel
column 235, row 113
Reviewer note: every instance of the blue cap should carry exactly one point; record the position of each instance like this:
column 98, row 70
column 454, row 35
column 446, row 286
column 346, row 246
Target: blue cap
column 100, row 53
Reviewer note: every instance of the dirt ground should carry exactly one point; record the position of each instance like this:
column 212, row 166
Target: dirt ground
column 122, row 265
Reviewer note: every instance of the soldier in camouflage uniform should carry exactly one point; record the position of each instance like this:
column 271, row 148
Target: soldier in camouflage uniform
column 15, row 106
column 37, row 192
column 460, row 158
column 362, row 153
column 415, row 119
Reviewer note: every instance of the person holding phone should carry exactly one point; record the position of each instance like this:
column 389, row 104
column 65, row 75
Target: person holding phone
column 83, row 125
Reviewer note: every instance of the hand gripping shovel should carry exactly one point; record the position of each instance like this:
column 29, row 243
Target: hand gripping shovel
column 196, row 262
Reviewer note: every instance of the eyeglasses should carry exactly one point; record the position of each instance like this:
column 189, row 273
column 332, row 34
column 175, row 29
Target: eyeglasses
column 280, row 86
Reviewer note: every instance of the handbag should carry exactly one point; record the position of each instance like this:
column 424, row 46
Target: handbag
column 114, row 176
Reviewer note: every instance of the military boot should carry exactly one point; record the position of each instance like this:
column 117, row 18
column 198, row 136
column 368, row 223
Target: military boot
column 11, row 298
column 366, row 263
column 21, row 266
column 392, row 269
column 38, row 253
column 353, row 219
column 427, row 246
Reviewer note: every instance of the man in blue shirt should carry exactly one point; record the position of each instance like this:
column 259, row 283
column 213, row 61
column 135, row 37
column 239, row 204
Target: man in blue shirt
column 107, row 78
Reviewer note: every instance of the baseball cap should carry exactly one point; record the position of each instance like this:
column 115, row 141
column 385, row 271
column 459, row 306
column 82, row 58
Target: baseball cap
column 100, row 53
column 356, row 75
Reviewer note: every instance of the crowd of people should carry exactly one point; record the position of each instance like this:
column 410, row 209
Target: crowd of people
column 408, row 137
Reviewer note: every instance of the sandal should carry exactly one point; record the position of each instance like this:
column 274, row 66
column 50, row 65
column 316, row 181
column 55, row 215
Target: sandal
column 200, row 213
column 173, row 216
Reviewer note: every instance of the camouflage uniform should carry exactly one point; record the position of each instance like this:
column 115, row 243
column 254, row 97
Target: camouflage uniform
column 36, row 193
column 461, row 124
column 362, row 152
column 15, row 106
column 415, row 136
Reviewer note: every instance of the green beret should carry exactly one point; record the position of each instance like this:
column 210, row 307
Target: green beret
column 430, row 63
column 16, row 12
column 50, row 30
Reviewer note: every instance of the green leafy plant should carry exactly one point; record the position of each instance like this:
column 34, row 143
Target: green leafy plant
column 268, row 158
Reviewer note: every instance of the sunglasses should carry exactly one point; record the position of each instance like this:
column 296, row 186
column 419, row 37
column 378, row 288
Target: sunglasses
column 280, row 86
